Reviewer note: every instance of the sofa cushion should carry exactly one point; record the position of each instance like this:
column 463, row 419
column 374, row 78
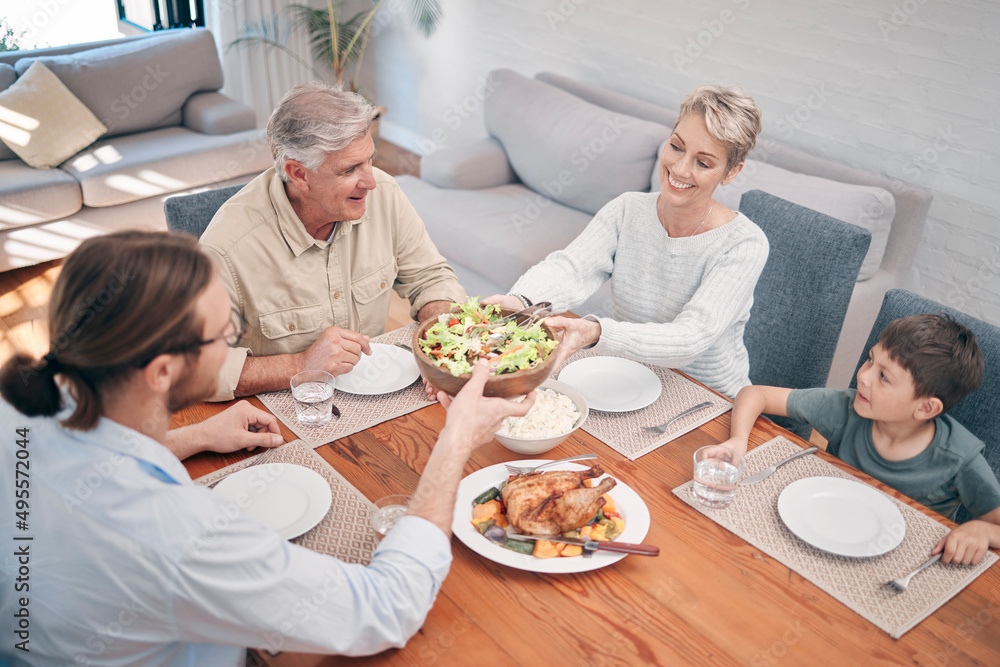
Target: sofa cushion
column 7, row 77
column 141, row 84
column 30, row 196
column 608, row 99
column 123, row 169
column 515, row 227
column 214, row 113
column 570, row 150
column 492, row 236
column 865, row 206
column 43, row 122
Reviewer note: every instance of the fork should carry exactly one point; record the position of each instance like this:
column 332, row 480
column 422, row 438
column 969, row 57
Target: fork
column 262, row 458
column 662, row 428
column 518, row 470
column 899, row 585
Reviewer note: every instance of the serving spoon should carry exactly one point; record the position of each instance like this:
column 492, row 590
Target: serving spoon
column 541, row 309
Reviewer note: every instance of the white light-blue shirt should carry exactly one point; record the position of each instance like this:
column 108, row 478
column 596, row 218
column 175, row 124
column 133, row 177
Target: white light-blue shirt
column 130, row 562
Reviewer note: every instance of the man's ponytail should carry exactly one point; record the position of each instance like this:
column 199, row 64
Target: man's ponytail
column 29, row 385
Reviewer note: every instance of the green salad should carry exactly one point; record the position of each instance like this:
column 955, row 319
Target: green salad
column 507, row 346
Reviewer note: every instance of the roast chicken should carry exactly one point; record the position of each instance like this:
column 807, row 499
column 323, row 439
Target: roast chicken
column 548, row 503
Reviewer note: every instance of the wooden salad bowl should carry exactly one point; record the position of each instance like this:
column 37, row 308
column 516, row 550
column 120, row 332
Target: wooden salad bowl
column 507, row 385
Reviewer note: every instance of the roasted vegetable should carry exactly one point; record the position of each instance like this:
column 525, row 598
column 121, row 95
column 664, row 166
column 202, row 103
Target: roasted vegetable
column 486, row 496
column 547, row 549
column 519, row 546
column 496, row 535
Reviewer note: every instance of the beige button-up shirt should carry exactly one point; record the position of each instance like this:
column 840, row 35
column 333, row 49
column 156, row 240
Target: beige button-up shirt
column 290, row 287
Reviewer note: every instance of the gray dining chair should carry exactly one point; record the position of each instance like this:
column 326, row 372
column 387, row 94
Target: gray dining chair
column 802, row 295
column 979, row 411
column 191, row 214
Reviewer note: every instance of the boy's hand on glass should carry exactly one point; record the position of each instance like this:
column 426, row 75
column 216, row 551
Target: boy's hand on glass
column 966, row 545
column 738, row 445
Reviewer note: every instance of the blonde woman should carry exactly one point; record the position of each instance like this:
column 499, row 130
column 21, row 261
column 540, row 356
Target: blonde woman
column 682, row 266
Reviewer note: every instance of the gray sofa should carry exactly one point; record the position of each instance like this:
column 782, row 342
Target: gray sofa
column 559, row 149
column 169, row 131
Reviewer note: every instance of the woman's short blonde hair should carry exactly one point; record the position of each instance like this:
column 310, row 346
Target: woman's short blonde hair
column 731, row 115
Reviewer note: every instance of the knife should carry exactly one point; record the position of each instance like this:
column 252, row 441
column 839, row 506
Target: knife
column 766, row 472
column 594, row 545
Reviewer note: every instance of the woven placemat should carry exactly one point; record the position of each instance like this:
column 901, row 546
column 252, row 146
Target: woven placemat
column 344, row 532
column 856, row 582
column 622, row 431
column 356, row 412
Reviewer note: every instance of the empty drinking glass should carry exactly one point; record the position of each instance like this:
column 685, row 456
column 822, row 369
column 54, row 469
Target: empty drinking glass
column 717, row 471
column 312, row 392
column 387, row 511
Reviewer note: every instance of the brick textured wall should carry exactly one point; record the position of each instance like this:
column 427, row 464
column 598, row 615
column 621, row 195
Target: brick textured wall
column 904, row 88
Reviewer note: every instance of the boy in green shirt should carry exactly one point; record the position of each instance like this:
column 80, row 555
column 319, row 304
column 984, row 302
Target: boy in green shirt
column 894, row 427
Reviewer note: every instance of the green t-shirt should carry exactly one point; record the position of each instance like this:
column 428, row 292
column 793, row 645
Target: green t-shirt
column 950, row 473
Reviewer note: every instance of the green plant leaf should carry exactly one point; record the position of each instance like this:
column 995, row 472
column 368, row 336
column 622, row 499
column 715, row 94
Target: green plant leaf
column 270, row 32
column 425, row 15
column 316, row 23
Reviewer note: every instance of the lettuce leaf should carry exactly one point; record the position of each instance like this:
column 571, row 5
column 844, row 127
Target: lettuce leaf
column 459, row 352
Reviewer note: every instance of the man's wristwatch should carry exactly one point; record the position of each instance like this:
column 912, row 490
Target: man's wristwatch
column 524, row 299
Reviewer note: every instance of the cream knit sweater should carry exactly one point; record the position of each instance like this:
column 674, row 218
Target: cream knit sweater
column 680, row 303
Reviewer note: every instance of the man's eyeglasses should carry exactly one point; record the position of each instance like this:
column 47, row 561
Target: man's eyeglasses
column 236, row 325
column 239, row 328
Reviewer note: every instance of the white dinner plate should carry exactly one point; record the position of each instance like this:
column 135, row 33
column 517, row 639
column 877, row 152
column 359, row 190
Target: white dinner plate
column 613, row 384
column 289, row 499
column 387, row 369
column 842, row 516
column 631, row 507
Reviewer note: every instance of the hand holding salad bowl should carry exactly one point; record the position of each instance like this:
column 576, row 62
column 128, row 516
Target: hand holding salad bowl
column 520, row 357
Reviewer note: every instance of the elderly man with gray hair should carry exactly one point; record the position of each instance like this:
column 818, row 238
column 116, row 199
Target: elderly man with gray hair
column 309, row 249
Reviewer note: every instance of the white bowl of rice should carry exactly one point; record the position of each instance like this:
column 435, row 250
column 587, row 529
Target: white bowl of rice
column 559, row 410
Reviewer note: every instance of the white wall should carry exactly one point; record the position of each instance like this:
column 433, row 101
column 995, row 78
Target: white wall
column 908, row 89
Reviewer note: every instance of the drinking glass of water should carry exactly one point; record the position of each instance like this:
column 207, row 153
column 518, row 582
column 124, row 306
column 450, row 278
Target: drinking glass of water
column 387, row 511
column 312, row 392
column 717, row 471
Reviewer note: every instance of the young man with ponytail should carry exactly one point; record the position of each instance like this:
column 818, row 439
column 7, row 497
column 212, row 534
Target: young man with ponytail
column 130, row 561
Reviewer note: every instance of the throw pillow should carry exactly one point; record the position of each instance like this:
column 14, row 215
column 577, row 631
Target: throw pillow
column 44, row 124
column 7, row 78
column 565, row 148
column 862, row 205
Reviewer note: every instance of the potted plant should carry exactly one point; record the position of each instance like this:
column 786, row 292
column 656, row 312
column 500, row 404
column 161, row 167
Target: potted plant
column 325, row 29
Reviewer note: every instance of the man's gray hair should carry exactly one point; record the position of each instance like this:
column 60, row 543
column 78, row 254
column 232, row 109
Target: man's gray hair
column 313, row 120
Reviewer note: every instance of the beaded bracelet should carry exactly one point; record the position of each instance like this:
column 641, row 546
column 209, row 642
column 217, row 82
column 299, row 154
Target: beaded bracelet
column 524, row 299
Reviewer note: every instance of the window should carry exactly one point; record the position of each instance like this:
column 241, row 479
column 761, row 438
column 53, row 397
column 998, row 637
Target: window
column 136, row 16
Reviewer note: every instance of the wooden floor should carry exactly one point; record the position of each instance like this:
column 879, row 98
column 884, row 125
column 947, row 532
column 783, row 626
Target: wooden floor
column 24, row 302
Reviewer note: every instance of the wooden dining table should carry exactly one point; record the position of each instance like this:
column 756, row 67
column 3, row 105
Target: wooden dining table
column 708, row 598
